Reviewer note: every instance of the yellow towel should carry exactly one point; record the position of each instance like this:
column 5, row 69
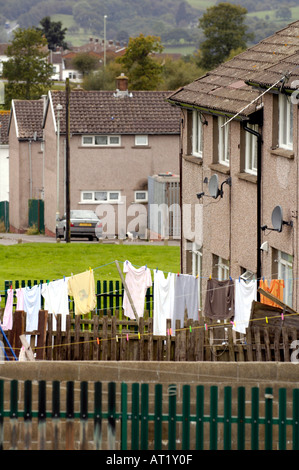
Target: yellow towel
column 82, row 288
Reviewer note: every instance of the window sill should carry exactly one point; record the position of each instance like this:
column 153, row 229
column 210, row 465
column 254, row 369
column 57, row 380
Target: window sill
column 100, row 202
column 99, row 147
column 192, row 159
column 220, row 168
column 247, row 177
column 141, row 147
column 281, row 152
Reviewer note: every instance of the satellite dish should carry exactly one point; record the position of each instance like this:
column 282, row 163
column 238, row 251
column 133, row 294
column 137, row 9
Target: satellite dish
column 213, row 187
column 277, row 218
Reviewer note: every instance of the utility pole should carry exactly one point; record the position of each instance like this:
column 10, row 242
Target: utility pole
column 67, row 176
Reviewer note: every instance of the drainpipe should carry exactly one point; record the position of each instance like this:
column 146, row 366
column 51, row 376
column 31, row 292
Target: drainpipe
column 30, row 171
column 259, row 198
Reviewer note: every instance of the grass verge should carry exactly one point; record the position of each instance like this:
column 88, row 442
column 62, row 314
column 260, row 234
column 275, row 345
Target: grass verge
column 45, row 261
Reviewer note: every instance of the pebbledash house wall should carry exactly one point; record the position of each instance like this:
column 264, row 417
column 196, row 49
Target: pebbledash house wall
column 227, row 227
column 20, row 179
column 123, row 168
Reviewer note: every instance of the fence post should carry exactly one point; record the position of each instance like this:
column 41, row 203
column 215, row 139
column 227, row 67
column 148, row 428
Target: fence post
column 42, row 414
column 268, row 418
column 241, row 418
column 296, row 419
column 186, row 418
column 172, row 392
column 124, row 416
column 13, row 413
column 27, row 414
column 255, row 418
column 282, row 418
column 83, row 415
column 199, row 417
column 227, row 418
column 111, row 415
column 213, row 416
column 144, row 417
column 97, row 433
column 135, row 417
column 56, row 414
column 69, row 429
column 158, row 416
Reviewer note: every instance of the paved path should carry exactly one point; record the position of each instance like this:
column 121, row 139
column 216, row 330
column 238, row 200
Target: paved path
column 14, row 238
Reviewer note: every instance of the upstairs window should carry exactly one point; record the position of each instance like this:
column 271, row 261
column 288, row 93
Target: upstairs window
column 285, row 135
column 141, row 140
column 197, row 134
column 101, row 140
column 251, row 150
column 223, row 141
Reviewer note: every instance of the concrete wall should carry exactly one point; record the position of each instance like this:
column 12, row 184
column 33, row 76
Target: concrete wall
column 23, row 182
column 4, row 173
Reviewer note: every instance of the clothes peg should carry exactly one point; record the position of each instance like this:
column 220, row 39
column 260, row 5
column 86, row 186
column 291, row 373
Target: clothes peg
column 138, row 335
column 127, row 337
column 210, row 277
column 266, row 319
column 98, row 341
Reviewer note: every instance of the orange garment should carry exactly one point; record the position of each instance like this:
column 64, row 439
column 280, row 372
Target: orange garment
column 276, row 288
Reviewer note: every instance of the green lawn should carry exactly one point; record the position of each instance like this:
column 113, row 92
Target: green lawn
column 45, row 261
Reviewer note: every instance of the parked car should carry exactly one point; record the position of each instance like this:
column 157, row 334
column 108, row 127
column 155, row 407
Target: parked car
column 83, row 223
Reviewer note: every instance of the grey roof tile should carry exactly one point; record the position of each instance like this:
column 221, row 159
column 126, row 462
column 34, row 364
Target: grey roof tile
column 263, row 64
column 145, row 112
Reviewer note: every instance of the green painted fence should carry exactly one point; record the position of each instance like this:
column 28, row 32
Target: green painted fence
column 137, row 418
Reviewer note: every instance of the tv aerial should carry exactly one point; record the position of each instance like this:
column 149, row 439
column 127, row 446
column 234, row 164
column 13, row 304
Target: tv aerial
column 277, row 221
column 214, row 190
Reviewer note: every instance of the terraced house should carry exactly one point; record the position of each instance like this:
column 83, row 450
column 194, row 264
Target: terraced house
column 117, row 140
column 240, row 166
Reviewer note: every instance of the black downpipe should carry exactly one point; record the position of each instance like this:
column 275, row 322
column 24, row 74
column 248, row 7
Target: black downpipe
column 259, row 198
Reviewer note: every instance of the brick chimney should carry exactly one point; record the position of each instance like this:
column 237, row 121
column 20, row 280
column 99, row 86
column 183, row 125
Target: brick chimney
column 122, row 87
column 122, row 82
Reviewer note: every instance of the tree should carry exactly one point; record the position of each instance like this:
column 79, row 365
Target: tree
column 27, row 70
column 143, row 71
column 53, row 32
column 85, row 63
column 224, row 29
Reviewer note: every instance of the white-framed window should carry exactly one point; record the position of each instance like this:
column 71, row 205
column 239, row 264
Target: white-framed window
column 285, row 272
column 251, row 150
column 285, row 134
column 223, row 141
column 221, row 266
column 141, row 139
column 197, row 269
column 140, row 196
column 101, row 140
column 197, row 134
column 98, row 197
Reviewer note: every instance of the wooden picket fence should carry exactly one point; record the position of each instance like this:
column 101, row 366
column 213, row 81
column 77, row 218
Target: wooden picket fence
column 111, row 338
column 106, row 334
column 98, row 416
